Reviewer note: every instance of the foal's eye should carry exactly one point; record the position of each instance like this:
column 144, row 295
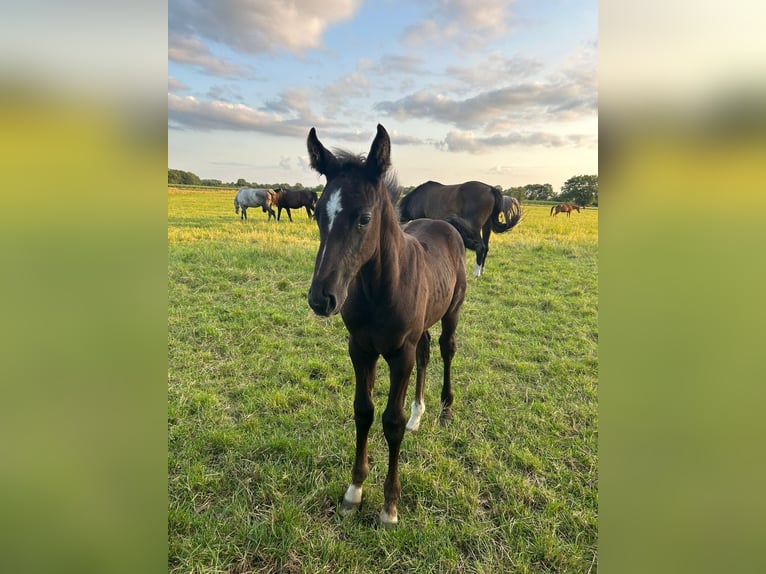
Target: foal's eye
column 364, row 219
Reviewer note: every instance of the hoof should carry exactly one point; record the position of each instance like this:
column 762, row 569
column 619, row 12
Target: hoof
column 413, row 427
column 445, row 416
column 388, row 520
column 349, row 508
column 352, row 500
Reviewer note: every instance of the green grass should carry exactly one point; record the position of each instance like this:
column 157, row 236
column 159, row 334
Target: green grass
column 260, row 417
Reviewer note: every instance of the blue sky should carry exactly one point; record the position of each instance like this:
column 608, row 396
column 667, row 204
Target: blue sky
column 501, row 91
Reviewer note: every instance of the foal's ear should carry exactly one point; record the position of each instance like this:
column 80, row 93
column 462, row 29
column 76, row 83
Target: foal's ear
column 322, row 160
column 379, row 158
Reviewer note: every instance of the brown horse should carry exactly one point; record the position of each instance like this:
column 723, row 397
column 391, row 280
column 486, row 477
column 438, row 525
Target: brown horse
column 288, row 199
column 564, row 208
column 390, row 286
column 472, row 207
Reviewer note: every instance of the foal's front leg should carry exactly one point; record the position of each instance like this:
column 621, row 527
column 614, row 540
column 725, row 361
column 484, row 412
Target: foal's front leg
column 364, row 410
column 394, row 420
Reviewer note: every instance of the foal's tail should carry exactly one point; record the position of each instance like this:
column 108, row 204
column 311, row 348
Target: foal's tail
column 552, row 208
column 468, row 240
column 497, row 225
column 236, row 205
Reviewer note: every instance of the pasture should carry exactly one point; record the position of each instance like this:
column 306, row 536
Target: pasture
column 260, row 416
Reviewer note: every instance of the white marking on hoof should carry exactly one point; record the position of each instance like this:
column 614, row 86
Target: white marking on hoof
column 477, row 270
column 352, row 500
column 417, row 411
column 388, row 519
column 353, row 495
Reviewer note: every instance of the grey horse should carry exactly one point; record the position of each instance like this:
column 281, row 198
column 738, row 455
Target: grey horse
column 253, row 197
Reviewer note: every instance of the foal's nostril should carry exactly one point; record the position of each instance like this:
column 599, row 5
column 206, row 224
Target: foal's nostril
column 320, row 303
column 331, row 302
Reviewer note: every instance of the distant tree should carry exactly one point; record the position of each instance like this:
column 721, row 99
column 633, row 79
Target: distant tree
column 539, row 191
column 241, row 183
column 581, row 190
column 212, row 182
column 180, row 177
column 517, row 192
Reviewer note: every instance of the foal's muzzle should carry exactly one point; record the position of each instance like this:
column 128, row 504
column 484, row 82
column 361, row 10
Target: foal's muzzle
column 322, row 303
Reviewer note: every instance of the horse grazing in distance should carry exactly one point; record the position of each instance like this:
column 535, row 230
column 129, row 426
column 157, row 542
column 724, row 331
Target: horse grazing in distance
column 295, row 199
column 472, row 207
column 254, row 197
column 389, row 286
column 564, row 208
column 510, row 205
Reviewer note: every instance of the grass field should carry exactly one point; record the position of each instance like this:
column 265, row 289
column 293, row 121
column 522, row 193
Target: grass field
column 260, row 417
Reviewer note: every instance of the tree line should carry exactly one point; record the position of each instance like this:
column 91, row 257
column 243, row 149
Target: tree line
column 581, row 190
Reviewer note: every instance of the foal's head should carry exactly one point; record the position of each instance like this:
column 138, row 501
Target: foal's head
column 349, row 217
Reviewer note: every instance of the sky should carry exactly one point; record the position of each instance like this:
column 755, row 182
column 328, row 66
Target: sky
column 500, row 91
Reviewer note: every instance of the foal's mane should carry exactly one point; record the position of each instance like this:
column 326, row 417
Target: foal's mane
column 347, row 159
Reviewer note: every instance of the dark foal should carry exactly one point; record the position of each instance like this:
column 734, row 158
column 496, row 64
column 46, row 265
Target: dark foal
column 389, row 286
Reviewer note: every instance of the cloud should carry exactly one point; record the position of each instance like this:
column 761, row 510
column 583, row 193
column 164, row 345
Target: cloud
column 338, row 94
column 465, row 23
column 256, row 27
column 285, row 163
column 192, row 51
column 294, row 102
column 175, row 85
column 502, row 92
column 393, row 64
column 497, row 68
column 190, row 112
column 227, row 93
column 534, row 101
column 401, row 139
column 468, row 142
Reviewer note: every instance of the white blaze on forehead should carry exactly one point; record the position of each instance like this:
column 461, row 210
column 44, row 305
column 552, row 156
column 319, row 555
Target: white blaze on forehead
column 333, row 207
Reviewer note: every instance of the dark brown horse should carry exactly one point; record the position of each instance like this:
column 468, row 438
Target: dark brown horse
column 389, row 286
column 288, row 199
column 472, row 207
column 564, row 208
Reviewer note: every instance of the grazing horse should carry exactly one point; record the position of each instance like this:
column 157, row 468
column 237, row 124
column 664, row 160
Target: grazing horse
column 252, row 197
column 564, row 208
column 510, row 205
column 295, row 199
column 390, row 286
column 472, row 207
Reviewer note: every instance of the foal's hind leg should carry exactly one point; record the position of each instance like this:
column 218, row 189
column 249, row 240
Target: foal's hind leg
column 422, row 356
column 447, row 347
